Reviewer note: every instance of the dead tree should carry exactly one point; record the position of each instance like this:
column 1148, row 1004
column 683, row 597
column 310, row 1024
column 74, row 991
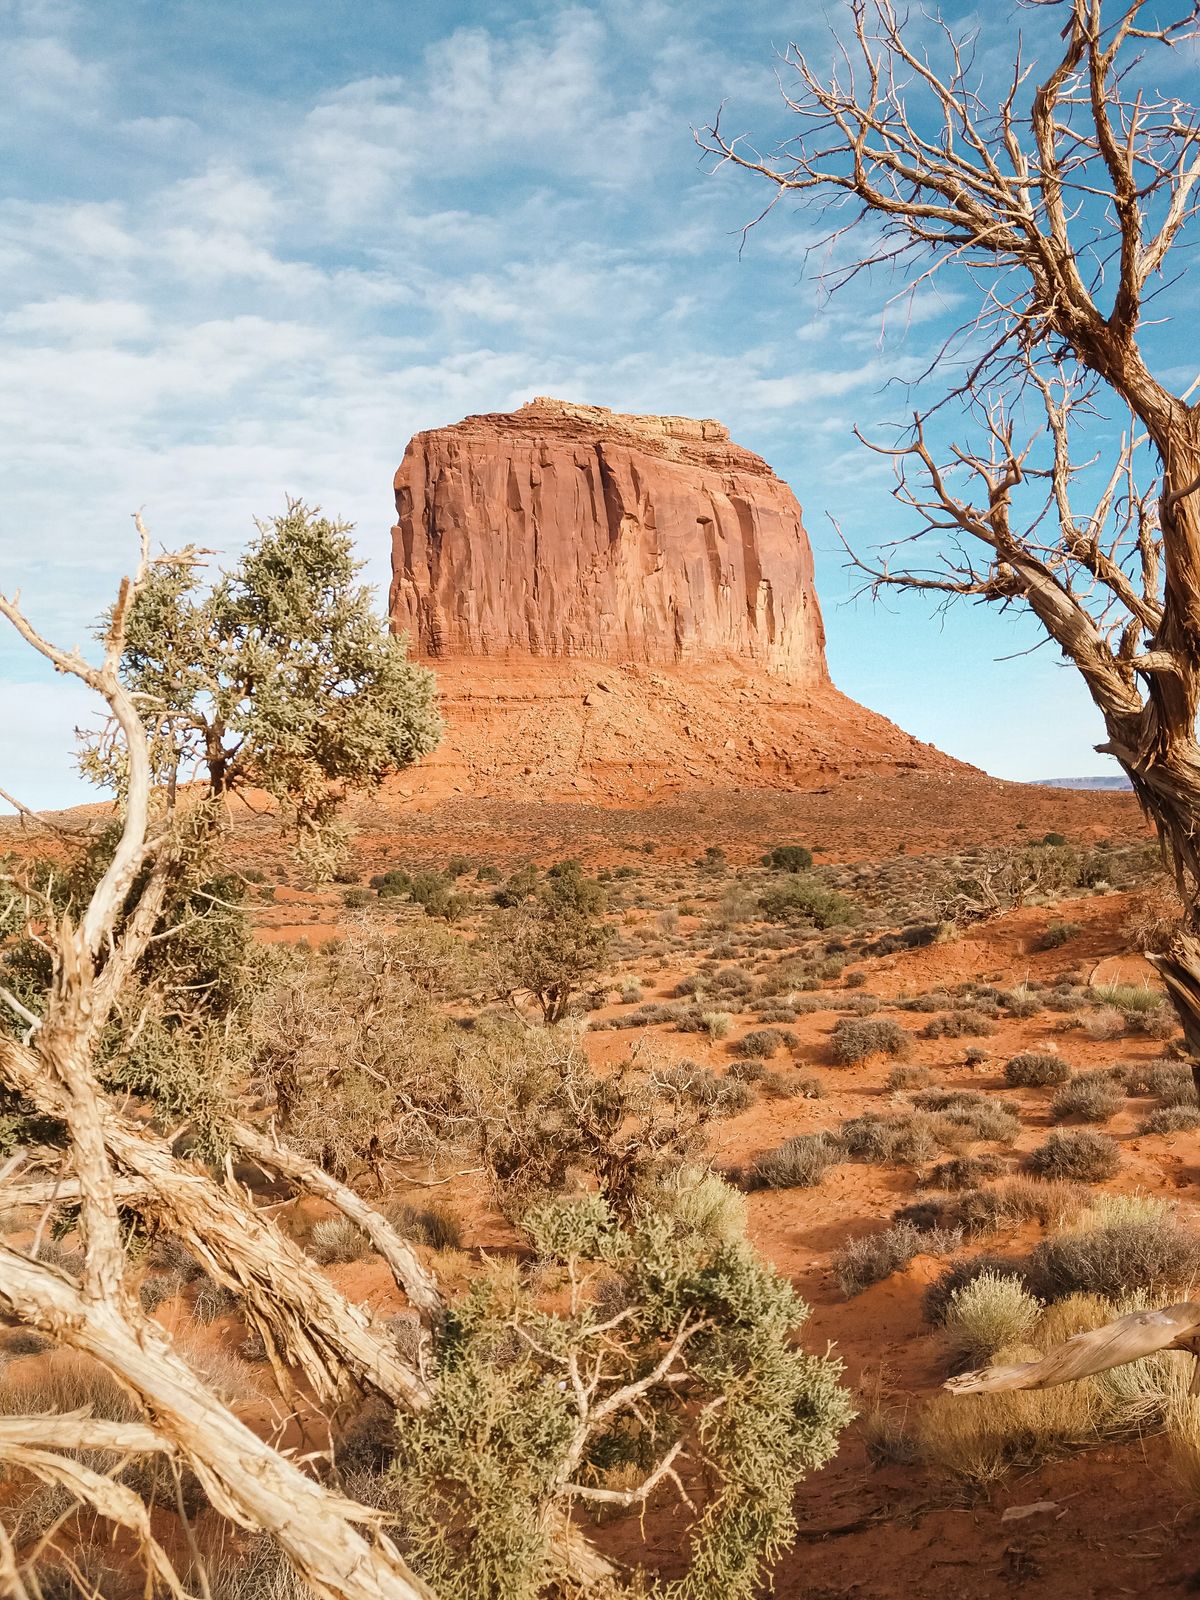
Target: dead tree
column 1129, row 1338
column 114, row 1162
column 336, row 1547
column 1060, row 197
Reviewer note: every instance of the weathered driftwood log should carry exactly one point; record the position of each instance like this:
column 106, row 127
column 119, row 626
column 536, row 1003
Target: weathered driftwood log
column 1129, row 1338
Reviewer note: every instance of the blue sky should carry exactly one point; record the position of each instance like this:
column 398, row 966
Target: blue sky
column 249, row 250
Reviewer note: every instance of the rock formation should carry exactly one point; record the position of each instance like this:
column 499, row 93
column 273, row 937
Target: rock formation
column 618, row 607
column 575, row 532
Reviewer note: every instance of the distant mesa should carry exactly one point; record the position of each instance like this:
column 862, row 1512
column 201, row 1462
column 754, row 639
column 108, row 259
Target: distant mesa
column 619, row 607
column 1110, row 781
column 571, row 531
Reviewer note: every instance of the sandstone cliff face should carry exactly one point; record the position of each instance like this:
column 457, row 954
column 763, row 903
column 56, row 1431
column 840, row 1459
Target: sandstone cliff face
column 572, row 531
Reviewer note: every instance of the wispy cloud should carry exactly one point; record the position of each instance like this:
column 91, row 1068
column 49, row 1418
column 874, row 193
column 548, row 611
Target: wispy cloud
column 251, row 256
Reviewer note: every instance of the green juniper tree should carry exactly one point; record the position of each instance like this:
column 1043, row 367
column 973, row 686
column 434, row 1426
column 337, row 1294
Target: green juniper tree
column 280, row 676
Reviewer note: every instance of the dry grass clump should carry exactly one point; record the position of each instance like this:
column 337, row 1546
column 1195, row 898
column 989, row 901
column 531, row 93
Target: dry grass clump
column 1123, row 1245
column 1034, row 1069
column 988, row 1314
column 857, row 1039
column 1077, row 1154
column 977, row 1116
column 798, row 1163
column 862, row 1262
column 436, row 1226
column 980, row 1437
column 337, row 1239
column 1168, row 1081
column 964, row 1172
column 65, row 1381
column 1049, row 1201
column 1091, row 1098
column 958, row 1025
column 908, row 1078
column 1172, row 1119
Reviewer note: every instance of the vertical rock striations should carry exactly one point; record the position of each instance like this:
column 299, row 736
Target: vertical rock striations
column 566, row 531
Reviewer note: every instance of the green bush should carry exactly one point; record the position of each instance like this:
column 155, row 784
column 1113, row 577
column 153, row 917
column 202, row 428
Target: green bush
column 788, row 858
column 804, row 900
column 479, row 1475
column 990, row 1312
column 1035, row 1070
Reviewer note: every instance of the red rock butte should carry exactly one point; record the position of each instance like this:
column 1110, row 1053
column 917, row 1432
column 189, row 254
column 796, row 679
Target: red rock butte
column 572, row 531
column 618, row 606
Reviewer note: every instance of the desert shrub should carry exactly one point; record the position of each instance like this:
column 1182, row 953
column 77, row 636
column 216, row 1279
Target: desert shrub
column 760, row 1044
column 964, row 1172
column 1153, row 915
column 856, row 979
column 1168, row 1081
column 212, row 1300
column 856, row 1039
column 909, row 1139
column 716, row 1024
column 1044, row 1200
column 1035, row 1070
column 550, row 946
column 1057, row 934
column 900, row 1078
column 518, row 887
column 1121, row 1247
column 798, row 1163
column 1172, row 1119
column 356, row 899
column 1103, row 1022
column 957, row 1025
column 805, row 900
column 1080, row 1154
column 1021, row 1002
column 701, row 1087
column 788, row 858
column 436, row 1226
column 352, row 1045
column 1094, row 1099
column 477, row 1473
column 337, row 1239
column 532, row 1111
column 861, row 1262
column 706, row 1206
column 939, row 1296
column 436, row 897
column 985, row 1315
column 978, row 1116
